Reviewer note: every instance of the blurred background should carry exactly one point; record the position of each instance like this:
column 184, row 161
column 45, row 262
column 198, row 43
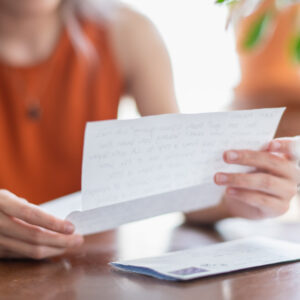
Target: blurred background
column 203, row 54
column 255, row 63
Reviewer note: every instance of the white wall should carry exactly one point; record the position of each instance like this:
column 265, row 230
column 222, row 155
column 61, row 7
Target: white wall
column 202, row 51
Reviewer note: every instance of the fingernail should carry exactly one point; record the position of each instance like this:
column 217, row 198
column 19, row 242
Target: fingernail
column 232, row 191
column 221, row 178
column 232, row 155
column 69, row 227
column 275, row 145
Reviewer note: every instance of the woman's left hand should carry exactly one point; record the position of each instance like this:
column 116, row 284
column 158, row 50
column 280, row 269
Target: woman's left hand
column 265, row 192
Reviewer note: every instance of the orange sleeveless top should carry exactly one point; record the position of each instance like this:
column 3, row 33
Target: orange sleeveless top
column 40, row 159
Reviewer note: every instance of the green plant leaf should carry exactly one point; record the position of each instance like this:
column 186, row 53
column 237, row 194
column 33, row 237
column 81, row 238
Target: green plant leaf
column 257, row 31
column 226, row 1
column 296, row 48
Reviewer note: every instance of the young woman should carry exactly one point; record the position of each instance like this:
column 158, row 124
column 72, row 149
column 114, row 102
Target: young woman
column 63, row 63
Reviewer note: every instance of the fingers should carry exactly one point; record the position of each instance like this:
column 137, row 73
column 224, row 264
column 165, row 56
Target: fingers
column 17, row 247
column 265, row 161
column 20, row 230
column 16, row 207
column 287, row 146
column 254, row 205
column 27, row 231
column 265, row 192
column 266, row 183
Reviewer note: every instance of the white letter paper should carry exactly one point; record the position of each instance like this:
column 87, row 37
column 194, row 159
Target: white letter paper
column 136, row 169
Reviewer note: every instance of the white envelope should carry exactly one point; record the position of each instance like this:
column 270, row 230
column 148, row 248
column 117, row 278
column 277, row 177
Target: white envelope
column 214, row 259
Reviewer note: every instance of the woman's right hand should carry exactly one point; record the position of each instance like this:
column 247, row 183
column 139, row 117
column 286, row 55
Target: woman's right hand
column 28, row 232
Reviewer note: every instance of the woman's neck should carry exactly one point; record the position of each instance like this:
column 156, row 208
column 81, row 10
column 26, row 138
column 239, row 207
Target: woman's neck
column 29, row 40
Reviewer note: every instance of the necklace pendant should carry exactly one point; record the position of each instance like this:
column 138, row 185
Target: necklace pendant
column 34, row 112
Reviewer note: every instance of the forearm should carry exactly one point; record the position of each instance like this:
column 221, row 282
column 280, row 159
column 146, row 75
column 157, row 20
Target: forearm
column 208, row 215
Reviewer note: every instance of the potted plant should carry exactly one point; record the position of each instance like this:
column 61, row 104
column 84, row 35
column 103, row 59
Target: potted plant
column 264, row 15
column 268, row 44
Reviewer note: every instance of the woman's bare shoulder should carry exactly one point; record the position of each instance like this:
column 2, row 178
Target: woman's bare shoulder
column 131, row 34
column 129, row 22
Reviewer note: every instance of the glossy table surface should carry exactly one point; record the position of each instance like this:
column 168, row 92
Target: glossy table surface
column 85, row 273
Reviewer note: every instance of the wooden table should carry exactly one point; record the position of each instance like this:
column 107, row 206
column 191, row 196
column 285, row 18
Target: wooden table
column 85, row 273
